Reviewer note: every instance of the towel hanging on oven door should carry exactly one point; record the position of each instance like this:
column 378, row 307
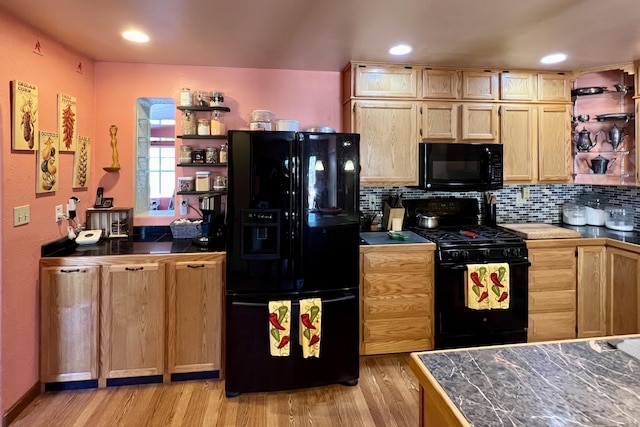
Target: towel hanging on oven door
column 499, row 284
column 487, row 286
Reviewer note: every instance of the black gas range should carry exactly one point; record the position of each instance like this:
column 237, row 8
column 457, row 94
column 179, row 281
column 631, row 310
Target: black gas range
column 461, row 241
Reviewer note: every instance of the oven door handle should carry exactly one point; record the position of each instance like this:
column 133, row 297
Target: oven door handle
column 464, row 266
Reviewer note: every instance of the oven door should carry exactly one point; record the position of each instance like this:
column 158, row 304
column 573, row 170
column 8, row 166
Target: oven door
column 458, row 326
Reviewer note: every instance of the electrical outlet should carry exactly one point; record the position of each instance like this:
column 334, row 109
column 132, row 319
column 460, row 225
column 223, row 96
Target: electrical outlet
column 525, row 192
column 59, row 213
column 184, row 206
column 372, row 202
column 21, row 215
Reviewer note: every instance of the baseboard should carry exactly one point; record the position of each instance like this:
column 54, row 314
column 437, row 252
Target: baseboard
column 15, row 410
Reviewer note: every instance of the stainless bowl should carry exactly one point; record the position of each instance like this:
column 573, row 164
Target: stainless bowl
column 321, row 129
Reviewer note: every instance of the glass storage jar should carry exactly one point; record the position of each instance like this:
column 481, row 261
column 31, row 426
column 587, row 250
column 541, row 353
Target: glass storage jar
column 204, row 127
column 185, row 154
column 217, row 123
column 189, row 123
column 595, row 210
column 574, row 214
column 224, row 150
column 203, row 182
column 185, row 97
column 619, row 218
column 211, row 155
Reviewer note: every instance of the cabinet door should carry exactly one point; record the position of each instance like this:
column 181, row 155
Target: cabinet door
column 592, row 282
column 479, row 122
column 517, row 86
column 386, row 81
column 388, row 142
column 554, row 143
column 440, row 84
column 69, row 323
column 518, row 137
column 553, row 87
column 624, row 311
column 480, row 85
column 440, row 121
column 194, row 316
column 132, row 320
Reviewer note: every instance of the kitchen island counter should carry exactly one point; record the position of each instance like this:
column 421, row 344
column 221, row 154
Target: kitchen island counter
column 577, row 382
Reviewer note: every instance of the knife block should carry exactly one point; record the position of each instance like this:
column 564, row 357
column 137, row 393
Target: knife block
column 389, row 213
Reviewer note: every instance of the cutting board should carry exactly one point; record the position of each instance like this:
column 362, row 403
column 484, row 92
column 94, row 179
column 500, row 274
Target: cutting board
column 541, row 231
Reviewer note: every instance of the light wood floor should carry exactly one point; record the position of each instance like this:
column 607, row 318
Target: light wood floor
column 386, row 395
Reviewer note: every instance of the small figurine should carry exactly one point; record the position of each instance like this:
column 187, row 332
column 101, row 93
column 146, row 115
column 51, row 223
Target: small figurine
column 114, row 147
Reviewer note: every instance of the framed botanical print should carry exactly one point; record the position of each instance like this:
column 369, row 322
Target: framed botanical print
column 81, row 162
column 67, row 122
column 24, row 111
column 48, row 173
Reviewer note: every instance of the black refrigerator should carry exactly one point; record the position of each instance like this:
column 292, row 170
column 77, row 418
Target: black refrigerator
column 292, row 267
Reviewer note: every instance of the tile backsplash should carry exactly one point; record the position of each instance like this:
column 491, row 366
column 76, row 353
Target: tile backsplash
column 544, row 203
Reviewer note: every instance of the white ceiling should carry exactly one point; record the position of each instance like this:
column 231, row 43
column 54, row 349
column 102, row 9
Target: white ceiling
column 326, row 34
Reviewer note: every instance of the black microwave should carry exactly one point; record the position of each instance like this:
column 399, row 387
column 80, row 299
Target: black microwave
column 460, row 166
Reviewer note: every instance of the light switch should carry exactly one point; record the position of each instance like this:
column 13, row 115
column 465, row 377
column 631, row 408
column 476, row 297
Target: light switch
column 21, row 215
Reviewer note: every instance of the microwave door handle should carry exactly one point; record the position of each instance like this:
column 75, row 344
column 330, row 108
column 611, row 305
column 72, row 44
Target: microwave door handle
column 487, row 153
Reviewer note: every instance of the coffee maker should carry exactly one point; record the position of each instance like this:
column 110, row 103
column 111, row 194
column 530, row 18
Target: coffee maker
column 213, row 223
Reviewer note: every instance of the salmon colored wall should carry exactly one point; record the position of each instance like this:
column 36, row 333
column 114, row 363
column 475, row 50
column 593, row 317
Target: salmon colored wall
column 54, row 71
column 311, row 97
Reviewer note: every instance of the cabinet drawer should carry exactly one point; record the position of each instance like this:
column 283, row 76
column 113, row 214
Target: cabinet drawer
column 389, row 308
column 552, row 326
column 397, row 261
column 410, row 328
column 542, row 302
column 549, row 258
column 552, row 280
column 392, row 284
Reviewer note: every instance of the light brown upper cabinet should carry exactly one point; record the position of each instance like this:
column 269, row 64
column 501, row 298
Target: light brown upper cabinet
column 517, row 86
column 554, row 143
column 480, row 85
column 440, row 84
column 455, row 121
column 518, row 135
column 385, row 81
column 388, row 141
column 554, row 87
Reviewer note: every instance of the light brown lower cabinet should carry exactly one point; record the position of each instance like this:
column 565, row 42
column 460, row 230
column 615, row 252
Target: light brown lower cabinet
column 592, row 291
column 194, row 316
column 69, row 323
column 109, row 319
column 396, row 304
column 132, row 320
column 624, row 285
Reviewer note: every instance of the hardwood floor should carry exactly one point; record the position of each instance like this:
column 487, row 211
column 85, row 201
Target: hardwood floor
column 386, row 395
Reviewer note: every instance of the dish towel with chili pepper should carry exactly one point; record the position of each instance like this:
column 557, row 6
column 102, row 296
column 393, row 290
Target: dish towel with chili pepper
column 310, row 326
column 476, row 283
column 499, row 288
column 279, row 328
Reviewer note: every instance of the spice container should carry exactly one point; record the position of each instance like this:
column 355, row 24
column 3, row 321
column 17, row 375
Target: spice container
column 224, row 151
column 204, row 127
column 217, row 123
column 220, row 182
column 185, row 97
column 211, row 155
column 189, row 123
column 216, row 100
column 186, row 183
column 185, row 154
column 203, row 182
column 198, row 156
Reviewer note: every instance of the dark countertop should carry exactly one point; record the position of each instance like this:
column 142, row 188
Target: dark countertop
column 145, row 240
column 381, row 238
column 569, row 383
column 592, row 231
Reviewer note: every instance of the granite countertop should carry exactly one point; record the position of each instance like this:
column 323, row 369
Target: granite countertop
column 145, row 240
column 577, row 383
column 593, row 231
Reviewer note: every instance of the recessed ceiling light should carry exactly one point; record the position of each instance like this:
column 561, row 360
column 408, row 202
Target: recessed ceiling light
column 401, row 49
column 553, row 58
column 135, row 36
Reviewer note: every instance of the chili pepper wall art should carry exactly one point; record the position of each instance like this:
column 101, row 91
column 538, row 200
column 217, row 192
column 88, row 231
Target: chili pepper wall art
column 279, row 328
column 67, row 122
column 81, row 162
column 24, row 124
column 48, row 173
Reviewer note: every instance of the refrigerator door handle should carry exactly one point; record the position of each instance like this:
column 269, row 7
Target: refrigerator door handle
column 293, row 302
